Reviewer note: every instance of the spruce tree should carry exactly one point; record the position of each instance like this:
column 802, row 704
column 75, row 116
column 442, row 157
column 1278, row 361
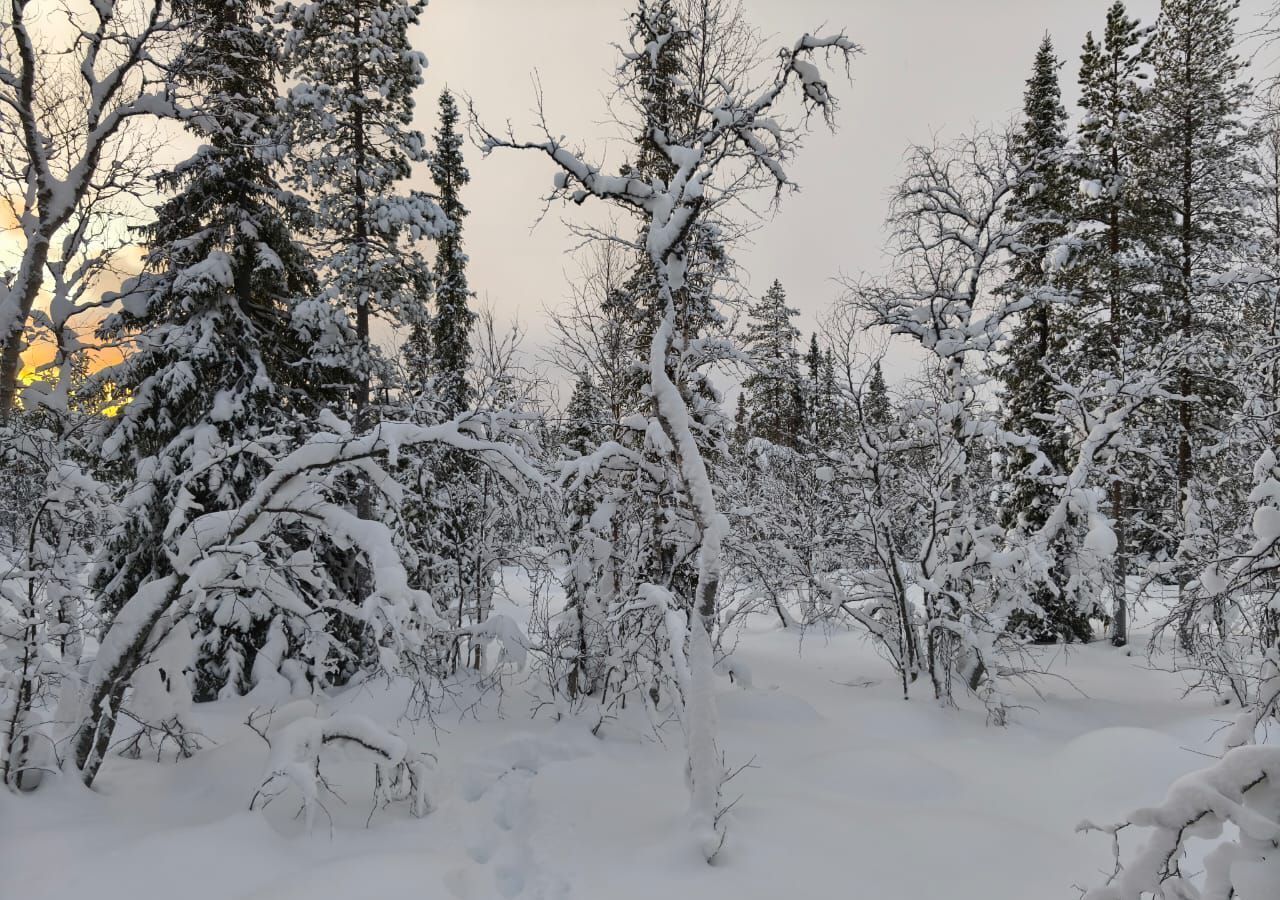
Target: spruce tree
column 815, row 402
column 877, row 408
column 351, row 110
column 833, row 420
column 1033, row 353
column 1195, row 181
column 1117, row 321
column 775, row 398
column 584, row 625
column 451, row 326
column 218, row 372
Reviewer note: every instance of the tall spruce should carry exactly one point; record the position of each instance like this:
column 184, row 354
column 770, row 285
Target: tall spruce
column 453, row 321
column 1042, row 206
column 218, row 366
column 583, row 626
column 877, row 407
column 774, row 390
column 1194, row 175
column 351, row 110
column 1117, row 320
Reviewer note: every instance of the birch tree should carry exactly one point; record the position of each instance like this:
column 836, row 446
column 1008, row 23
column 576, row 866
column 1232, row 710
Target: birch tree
column 739, row 134
column 64, row 113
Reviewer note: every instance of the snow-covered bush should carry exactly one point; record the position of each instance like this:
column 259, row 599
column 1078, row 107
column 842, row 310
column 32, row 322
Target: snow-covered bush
column 296, row 750
column 1233, row 805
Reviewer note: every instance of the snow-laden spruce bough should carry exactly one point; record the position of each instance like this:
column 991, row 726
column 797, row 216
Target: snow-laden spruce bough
column 297, row 511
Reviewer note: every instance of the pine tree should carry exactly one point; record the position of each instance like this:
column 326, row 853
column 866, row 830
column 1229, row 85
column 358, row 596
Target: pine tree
column 218, row 363
column 584, row 627
column 775, row 397
column 1042, row 205
column 451, row 327
column 1116, row 321
column 351, row 111
column 877, row 408
column 1195, row 181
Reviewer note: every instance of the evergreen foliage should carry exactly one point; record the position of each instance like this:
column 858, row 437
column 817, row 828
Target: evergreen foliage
column 1041, row 206
column 220, row 363
column 353, row 145
column 451, row 327
column 774, row 390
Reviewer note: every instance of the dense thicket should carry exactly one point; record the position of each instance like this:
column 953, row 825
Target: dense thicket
column 316, row 460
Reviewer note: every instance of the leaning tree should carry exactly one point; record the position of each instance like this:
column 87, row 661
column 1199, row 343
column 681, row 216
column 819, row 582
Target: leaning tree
column 738, row 145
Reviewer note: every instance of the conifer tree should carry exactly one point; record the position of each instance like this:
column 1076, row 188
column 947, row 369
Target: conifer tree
column 813, row 360
column 451, row 326
column 815, row 405
column 1041, row 204
column 877, row 407
column 1195, row 181
column 832, row 420
column 351, row 113
column 1116, row 320
column 218, row 363
column 584, row 629
column 741, row 421
column 775, row 395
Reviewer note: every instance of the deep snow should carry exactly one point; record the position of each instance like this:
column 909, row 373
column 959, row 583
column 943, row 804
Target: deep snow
column 851, row 792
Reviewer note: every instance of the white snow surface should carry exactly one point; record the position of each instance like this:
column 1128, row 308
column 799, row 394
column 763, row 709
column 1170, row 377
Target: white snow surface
column 852, row 792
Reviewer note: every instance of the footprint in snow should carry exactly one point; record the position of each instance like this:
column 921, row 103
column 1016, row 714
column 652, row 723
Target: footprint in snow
column 498, row 789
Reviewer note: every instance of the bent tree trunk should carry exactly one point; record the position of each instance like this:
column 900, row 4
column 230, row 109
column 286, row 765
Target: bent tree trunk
column 124, row 648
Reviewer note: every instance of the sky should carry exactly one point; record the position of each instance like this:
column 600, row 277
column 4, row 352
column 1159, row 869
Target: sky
column 930, row 67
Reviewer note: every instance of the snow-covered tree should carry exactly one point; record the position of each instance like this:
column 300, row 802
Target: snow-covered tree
column 1238, row 792
column 350, row 112
column 1116, row 320
column 453, row 320
column 55, row 511
column 774, row 390
column 239, row 550
column 739, row 130
column 955, row 237
column 1195, row 163
column 1041, row 205
column 218, row 363
column 65, row 135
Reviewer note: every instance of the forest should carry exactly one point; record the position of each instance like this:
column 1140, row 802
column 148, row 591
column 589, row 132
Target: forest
column 320, row 576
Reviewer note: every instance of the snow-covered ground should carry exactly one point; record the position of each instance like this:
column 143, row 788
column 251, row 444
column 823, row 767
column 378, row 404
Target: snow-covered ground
column 852, row 792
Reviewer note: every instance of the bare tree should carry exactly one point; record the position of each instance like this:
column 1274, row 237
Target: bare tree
column 67, row 105
column 739, row 134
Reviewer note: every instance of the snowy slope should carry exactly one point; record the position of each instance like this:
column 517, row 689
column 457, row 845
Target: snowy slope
column 852, row 792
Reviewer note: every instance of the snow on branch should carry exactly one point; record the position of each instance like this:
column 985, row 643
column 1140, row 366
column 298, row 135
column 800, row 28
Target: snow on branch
column 210, row 548
column 1240, row 791
column 295, row 762
column 734, row 125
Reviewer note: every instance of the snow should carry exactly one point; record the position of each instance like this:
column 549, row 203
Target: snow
column 847, row 782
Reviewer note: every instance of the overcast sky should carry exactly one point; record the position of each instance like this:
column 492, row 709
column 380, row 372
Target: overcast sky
column 930, row 66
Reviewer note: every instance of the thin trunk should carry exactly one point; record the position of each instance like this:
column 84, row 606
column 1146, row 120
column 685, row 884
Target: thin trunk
column 1185, row 325
column 1120, row 580
column 1119, row 508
